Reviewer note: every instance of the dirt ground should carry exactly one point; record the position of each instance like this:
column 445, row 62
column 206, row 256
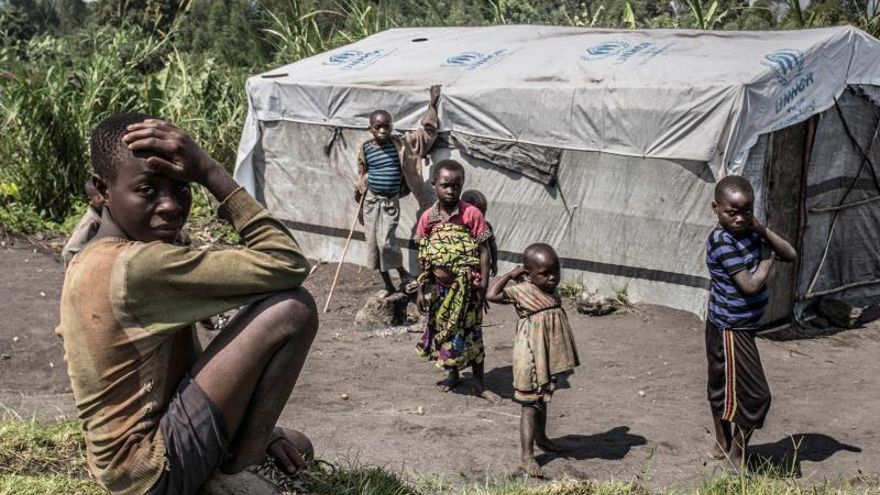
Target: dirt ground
column 634, row 410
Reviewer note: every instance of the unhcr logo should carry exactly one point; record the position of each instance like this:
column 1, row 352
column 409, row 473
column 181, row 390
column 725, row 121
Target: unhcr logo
column 604, row 50
column 622, row 52
column 787, row 64
column 476, row 60
column 355, row 59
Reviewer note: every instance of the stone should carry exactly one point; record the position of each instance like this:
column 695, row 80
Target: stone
column 382, row 311
column 595, row 304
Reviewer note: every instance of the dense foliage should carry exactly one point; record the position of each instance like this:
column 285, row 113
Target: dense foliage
column 66, row 64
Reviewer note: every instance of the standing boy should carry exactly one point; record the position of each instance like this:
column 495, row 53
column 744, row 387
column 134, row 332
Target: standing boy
column 390, row 167
column 157, row 418
column 454, row 254
column 739, row 254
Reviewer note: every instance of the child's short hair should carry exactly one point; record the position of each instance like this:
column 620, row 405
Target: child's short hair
column 377, row 113
column 733, row 183
column 475, row 198
column 538, row 248
column 450, row 165
column 106, row 142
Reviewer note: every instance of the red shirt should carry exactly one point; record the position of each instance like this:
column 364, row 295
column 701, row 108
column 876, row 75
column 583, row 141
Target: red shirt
column 465, row 214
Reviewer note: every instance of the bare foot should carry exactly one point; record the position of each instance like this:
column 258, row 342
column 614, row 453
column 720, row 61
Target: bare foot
column 487, row 394
column 716, row 454
column 548, row 445
column 449, row 383
column 530, row 467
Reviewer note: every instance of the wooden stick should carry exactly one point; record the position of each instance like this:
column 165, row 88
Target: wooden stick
column 344, row 251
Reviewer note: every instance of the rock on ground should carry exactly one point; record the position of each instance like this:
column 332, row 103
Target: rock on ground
column 594, row 304
column 382, row 311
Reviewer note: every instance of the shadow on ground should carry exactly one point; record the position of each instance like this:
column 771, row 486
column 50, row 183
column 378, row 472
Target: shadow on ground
column 785, row 456
column 613, row 444
column 500, row 381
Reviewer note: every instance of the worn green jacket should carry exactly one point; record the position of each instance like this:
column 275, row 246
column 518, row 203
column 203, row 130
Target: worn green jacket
column 127, row 310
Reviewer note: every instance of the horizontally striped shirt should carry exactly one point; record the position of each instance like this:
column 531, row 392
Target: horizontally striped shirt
column 383, row 167
column 727, row 255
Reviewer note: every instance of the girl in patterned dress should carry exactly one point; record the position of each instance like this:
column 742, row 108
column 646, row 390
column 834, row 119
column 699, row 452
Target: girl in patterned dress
column 454, row 255
column 543, row 348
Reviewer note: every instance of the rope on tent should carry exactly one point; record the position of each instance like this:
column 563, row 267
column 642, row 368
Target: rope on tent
column 837, row 208
column 842, row 288
column 825, row 209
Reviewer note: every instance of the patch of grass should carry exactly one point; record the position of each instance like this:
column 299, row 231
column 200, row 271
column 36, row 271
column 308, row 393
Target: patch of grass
column 29, row 447
column 558, row 487
column 15, row 484
column 571, row 288
column 38, row 458
column 621, row 295
column 327, row 479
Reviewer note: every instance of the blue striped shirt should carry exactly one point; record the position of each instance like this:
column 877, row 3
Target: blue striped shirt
column 727, row 255
column 383, row 167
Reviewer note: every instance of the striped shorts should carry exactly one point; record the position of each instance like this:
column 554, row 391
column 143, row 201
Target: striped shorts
column 737, row 388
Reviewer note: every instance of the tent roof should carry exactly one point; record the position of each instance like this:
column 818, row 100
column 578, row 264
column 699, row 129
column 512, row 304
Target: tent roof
column 693, row 95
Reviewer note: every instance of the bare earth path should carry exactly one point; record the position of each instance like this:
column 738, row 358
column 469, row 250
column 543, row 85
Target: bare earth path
column 826, row 392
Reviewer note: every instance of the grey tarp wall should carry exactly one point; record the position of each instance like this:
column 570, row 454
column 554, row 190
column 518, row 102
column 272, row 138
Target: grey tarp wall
column 618, row 221
column 630, row 203
column 841, row 239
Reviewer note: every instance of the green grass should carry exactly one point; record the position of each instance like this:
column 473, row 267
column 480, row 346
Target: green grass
column 40, row 458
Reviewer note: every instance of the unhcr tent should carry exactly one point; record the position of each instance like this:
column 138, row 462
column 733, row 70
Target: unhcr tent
column 604, row 143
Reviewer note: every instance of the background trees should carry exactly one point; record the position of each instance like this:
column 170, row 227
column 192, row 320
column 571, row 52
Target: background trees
column 66, row 64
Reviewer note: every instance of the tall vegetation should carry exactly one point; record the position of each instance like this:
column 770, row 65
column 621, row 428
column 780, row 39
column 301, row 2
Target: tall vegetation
column 66, row 64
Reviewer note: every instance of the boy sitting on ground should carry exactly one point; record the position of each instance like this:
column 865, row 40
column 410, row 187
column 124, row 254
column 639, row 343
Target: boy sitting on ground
column 389, row 168
column 739, row 254
column 157, row 418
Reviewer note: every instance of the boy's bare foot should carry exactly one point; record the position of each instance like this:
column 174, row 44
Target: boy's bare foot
column 716, row 454
column 548, row 445
column 530, row 467
column 487, row 394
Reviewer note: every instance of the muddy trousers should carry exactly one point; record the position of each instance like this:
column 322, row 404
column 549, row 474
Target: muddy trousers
column 737, row 388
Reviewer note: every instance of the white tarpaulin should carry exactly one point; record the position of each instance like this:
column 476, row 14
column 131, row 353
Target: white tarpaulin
column 605, row 144
column 691, row 95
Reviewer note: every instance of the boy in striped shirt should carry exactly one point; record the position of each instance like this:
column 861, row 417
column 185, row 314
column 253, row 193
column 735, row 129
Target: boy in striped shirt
column 739, row 254
column 389, row 167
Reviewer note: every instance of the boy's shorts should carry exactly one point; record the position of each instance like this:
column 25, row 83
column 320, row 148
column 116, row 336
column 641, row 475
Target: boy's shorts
column 737, row 388
column 195, row 437
column 381, row 216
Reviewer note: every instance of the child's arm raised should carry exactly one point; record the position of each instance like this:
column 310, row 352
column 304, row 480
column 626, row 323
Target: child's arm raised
column 422, row 140
column 496, row 291
column 751, row 283
column 783, row 249
column 155, row 277
column 179, row 157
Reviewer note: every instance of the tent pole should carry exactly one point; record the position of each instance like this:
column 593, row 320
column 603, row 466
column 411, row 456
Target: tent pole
column 344, row 251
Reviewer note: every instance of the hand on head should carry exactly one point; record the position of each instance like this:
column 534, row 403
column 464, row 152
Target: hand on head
column 170, row 151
